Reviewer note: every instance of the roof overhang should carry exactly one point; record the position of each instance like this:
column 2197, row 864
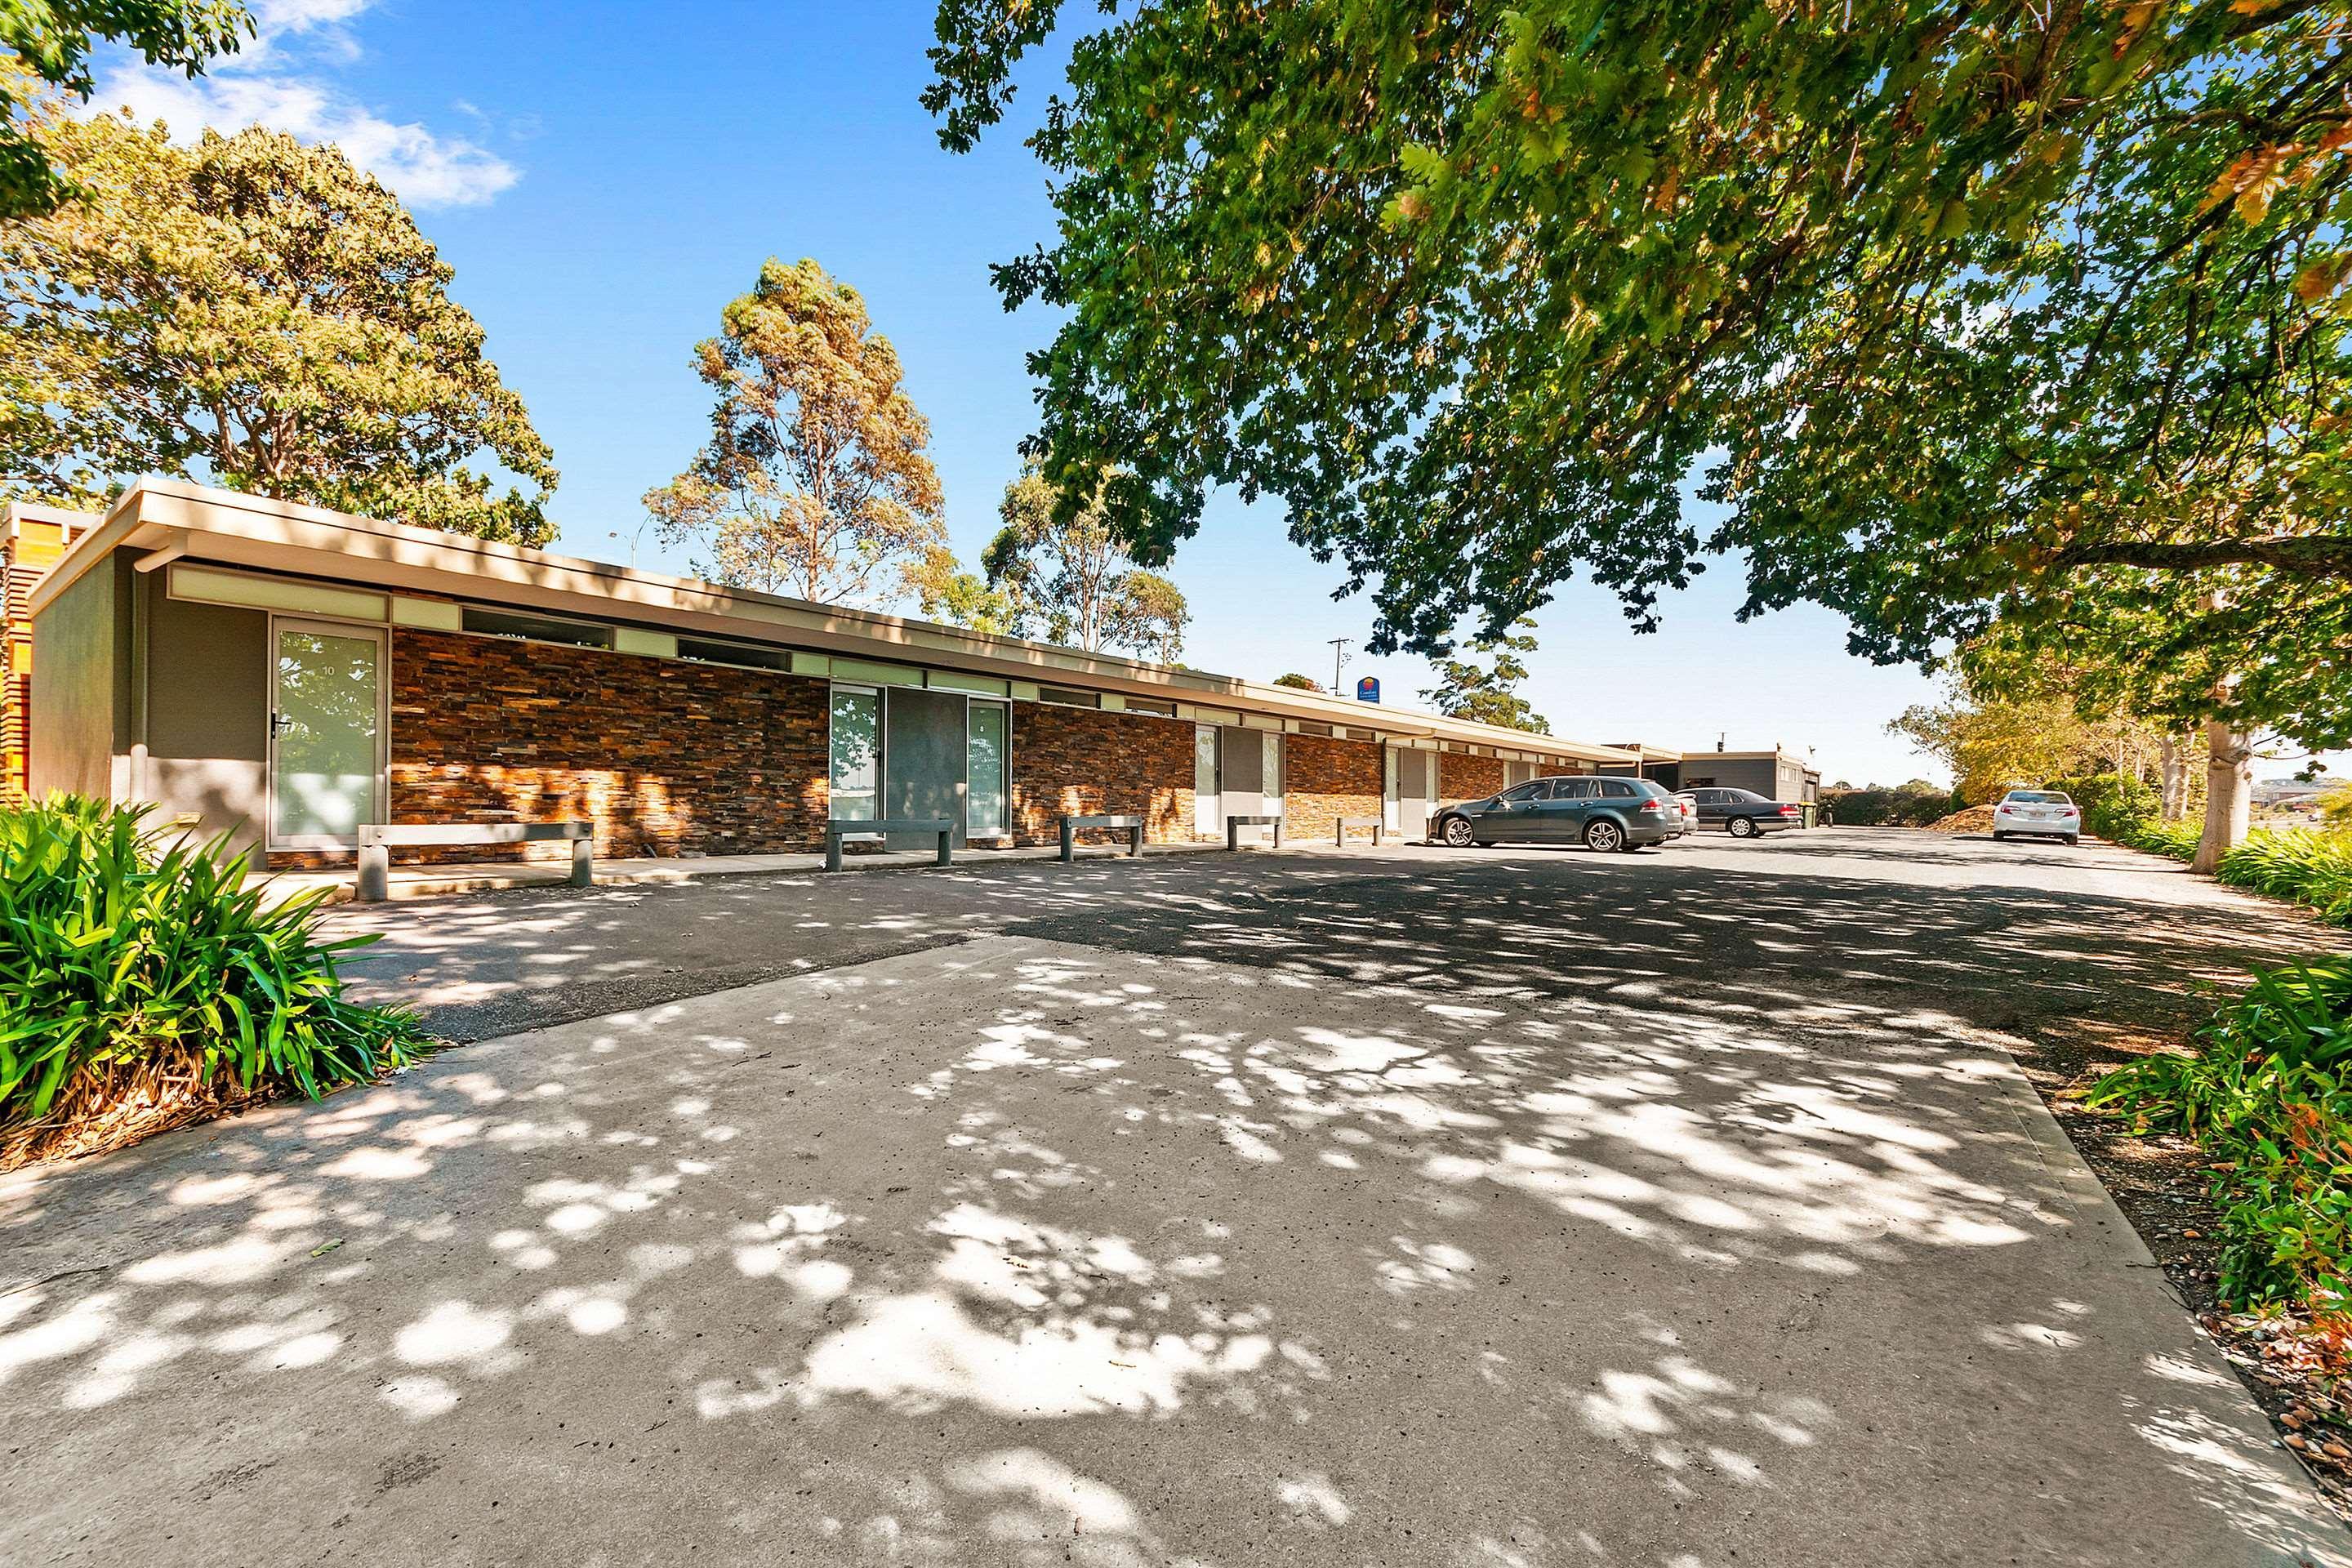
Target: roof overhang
column 231, row 528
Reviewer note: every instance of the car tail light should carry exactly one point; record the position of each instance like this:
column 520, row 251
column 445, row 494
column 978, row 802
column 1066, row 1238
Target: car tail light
column 1787, row 811
column 1653, row 804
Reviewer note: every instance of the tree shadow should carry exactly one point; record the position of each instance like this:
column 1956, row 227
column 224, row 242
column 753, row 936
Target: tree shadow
column 1324, row 1224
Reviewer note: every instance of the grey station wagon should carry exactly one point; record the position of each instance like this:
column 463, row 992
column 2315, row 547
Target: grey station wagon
column 1598, row 812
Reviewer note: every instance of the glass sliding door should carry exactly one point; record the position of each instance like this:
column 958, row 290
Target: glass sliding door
column 326, row 733
column 988, row 749
column 1206, row 820
column 856, row 753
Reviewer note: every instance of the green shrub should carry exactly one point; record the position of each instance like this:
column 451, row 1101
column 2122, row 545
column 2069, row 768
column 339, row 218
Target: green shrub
column 129, row 969
column 2178, row 839
column 2114, row 805
column 1888, row 807
column 2311, row 868
column 2266, row 1094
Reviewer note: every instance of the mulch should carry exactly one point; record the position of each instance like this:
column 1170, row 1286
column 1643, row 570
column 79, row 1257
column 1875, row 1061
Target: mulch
column 2299, row 1372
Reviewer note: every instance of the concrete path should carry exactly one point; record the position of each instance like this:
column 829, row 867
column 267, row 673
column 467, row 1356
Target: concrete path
column 1535, row 1209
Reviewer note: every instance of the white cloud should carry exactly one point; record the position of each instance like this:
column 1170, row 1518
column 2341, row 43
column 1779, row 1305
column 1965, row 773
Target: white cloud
column 277, row 80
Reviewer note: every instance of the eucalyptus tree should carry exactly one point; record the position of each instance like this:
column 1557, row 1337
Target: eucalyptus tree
column 817, row 478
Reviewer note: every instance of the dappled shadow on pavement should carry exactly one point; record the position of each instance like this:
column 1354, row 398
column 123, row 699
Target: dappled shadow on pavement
column 1335, row 1233
column 1811, row 949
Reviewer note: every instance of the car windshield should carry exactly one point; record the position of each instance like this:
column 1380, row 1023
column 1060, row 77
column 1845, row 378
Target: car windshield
column 2038, row 797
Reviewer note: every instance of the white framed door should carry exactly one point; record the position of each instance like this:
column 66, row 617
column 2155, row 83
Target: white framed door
column 329, row 719
column 1208, row 821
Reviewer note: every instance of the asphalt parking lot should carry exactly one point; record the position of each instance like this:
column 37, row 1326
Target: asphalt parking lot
column 1406, row 1207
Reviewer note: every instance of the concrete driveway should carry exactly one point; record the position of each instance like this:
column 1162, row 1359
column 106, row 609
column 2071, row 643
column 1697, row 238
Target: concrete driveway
column 1537, row 1208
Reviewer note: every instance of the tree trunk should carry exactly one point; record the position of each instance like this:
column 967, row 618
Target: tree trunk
column 2229, row 793
column 2174, row 769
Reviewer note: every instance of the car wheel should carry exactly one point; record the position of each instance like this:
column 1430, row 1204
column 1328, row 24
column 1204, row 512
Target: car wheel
column 1605, row 836
column 2000, row 838
column 1741, row 827
column 2073, row 840
column 1456, row 833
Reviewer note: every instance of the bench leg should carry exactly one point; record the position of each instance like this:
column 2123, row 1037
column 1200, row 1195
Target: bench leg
column 832, row 851
column 1069, row 842
column 1135, row 843
column 1278, row 833
column 583, row 862
column 1232, row 836
column 374, row 882
column 947, row 847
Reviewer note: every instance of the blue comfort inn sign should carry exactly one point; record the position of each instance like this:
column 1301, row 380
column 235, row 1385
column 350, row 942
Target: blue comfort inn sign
column 1368, row 689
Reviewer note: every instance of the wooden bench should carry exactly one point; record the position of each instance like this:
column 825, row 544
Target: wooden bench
column 1131, row 826
column 843, row 826
column 1234, row 825
column 1340, row 832
column 377, row 839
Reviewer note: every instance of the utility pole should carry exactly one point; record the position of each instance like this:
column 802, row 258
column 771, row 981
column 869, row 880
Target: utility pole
column 1339, row 657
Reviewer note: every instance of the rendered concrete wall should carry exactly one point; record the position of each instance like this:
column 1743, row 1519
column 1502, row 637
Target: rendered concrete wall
column 81, row 686
column 207, row 714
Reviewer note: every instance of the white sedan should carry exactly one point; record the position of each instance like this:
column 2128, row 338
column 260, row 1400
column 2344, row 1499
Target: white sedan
column 2037, row 813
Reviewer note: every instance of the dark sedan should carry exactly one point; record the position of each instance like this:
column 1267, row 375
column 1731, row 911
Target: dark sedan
column 1742, row 812
column 1598, row 812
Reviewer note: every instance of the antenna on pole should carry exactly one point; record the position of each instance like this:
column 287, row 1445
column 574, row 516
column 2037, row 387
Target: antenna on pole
column 1339, row 657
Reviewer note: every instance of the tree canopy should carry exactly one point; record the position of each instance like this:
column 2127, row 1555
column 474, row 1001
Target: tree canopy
column 48, row 46
column 257, row 311
column 1298, row 682
column 1069, row 578
column 2007, row 314
column 816, row 481
column 1485, row 688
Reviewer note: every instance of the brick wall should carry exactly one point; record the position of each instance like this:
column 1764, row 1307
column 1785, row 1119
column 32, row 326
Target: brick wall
column 1323, row 780
column 663, row 755
column 1461, row 776
column 1072, row 761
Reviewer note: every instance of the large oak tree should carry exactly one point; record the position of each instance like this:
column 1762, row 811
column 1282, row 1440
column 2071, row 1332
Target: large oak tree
column 2002, row 314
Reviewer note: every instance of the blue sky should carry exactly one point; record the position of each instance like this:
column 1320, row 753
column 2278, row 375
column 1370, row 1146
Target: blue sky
column 603, row 178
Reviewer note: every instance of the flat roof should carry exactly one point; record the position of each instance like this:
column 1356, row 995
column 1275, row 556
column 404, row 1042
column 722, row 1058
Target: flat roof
column 177, row 518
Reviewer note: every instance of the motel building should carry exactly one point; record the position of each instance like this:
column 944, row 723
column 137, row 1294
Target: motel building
column 287, row 674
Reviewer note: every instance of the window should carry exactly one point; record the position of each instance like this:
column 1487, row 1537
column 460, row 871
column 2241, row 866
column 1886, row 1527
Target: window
column 988, row 731
column 1314, row 729
column 1571, row 789
column 1152, row 706
column 1618, row 789
column 2038, row 797
column 1067, row 698
column 538, row 628
column 750, row 655
column 1525, row 791
column 856, row 753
